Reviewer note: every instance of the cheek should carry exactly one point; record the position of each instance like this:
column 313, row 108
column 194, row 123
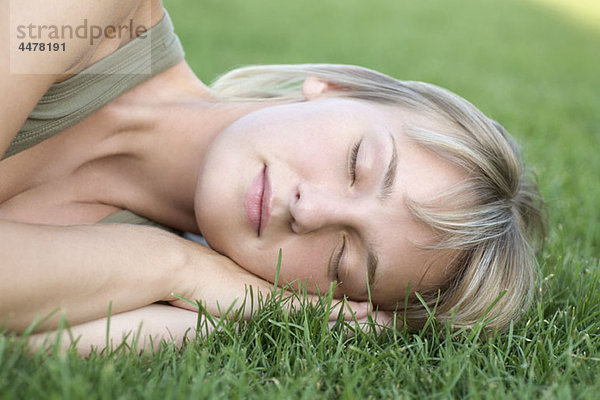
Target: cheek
column 302, row 260
column 306, row 261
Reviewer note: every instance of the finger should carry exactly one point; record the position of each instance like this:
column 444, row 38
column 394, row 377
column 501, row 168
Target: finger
column 350, row 309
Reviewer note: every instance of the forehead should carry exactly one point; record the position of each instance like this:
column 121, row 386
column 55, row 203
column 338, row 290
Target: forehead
column 422, row 173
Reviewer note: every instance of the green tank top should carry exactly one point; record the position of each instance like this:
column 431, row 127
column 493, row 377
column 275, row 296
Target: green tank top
column 68, row 102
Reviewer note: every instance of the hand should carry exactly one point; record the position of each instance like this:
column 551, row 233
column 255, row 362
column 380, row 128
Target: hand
column 219, row 283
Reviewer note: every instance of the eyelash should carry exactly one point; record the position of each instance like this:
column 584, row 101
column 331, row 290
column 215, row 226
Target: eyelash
column 338, row 259
column 353, row 157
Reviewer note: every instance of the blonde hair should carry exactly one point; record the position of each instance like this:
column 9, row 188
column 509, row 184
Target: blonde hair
column 497, row 211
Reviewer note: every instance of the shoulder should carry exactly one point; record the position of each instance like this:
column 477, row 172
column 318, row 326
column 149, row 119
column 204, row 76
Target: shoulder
column 90, row 31
column 59, row 39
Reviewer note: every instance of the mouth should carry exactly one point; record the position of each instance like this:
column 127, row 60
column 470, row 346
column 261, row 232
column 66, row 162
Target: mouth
column 258, row 200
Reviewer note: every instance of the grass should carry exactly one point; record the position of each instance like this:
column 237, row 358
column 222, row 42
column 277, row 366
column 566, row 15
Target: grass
column 532, row 67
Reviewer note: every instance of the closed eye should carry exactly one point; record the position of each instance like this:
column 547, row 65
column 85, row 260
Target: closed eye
column 352, row 163
column 337, row 260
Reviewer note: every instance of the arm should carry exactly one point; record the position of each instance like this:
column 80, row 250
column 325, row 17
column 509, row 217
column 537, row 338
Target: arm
column 81, row 269
column 143, row 329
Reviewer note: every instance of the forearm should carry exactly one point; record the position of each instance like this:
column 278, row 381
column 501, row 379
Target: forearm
column 81, row 269
column 140, row 329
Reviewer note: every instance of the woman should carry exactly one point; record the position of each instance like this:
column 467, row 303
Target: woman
column 386, row 187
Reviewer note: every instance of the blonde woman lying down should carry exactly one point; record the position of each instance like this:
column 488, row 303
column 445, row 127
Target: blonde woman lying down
column 383, row 186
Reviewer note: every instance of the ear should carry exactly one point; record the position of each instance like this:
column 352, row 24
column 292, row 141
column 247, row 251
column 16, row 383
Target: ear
column 314, row 88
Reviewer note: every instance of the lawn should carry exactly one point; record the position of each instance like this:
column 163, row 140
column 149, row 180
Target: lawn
column 532, row 65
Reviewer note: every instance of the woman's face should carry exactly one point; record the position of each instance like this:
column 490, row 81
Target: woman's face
column 325, row 181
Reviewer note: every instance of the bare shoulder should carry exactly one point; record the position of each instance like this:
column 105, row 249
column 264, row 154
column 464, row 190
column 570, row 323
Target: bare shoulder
column 49, row 41
column 84, row 27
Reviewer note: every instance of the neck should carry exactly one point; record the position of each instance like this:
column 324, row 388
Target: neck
column 164, row 145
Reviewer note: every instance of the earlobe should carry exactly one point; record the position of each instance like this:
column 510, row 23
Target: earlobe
column 314, row 88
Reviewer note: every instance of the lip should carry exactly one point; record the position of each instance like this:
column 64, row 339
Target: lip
column 258, row 200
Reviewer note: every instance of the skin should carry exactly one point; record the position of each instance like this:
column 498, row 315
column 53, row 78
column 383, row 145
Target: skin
column 315, row 205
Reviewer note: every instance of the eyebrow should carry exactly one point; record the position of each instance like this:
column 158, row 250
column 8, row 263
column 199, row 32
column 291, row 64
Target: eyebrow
column 385, row 192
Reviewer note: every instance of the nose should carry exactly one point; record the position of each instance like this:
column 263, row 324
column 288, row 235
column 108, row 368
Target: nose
column 314, row 207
